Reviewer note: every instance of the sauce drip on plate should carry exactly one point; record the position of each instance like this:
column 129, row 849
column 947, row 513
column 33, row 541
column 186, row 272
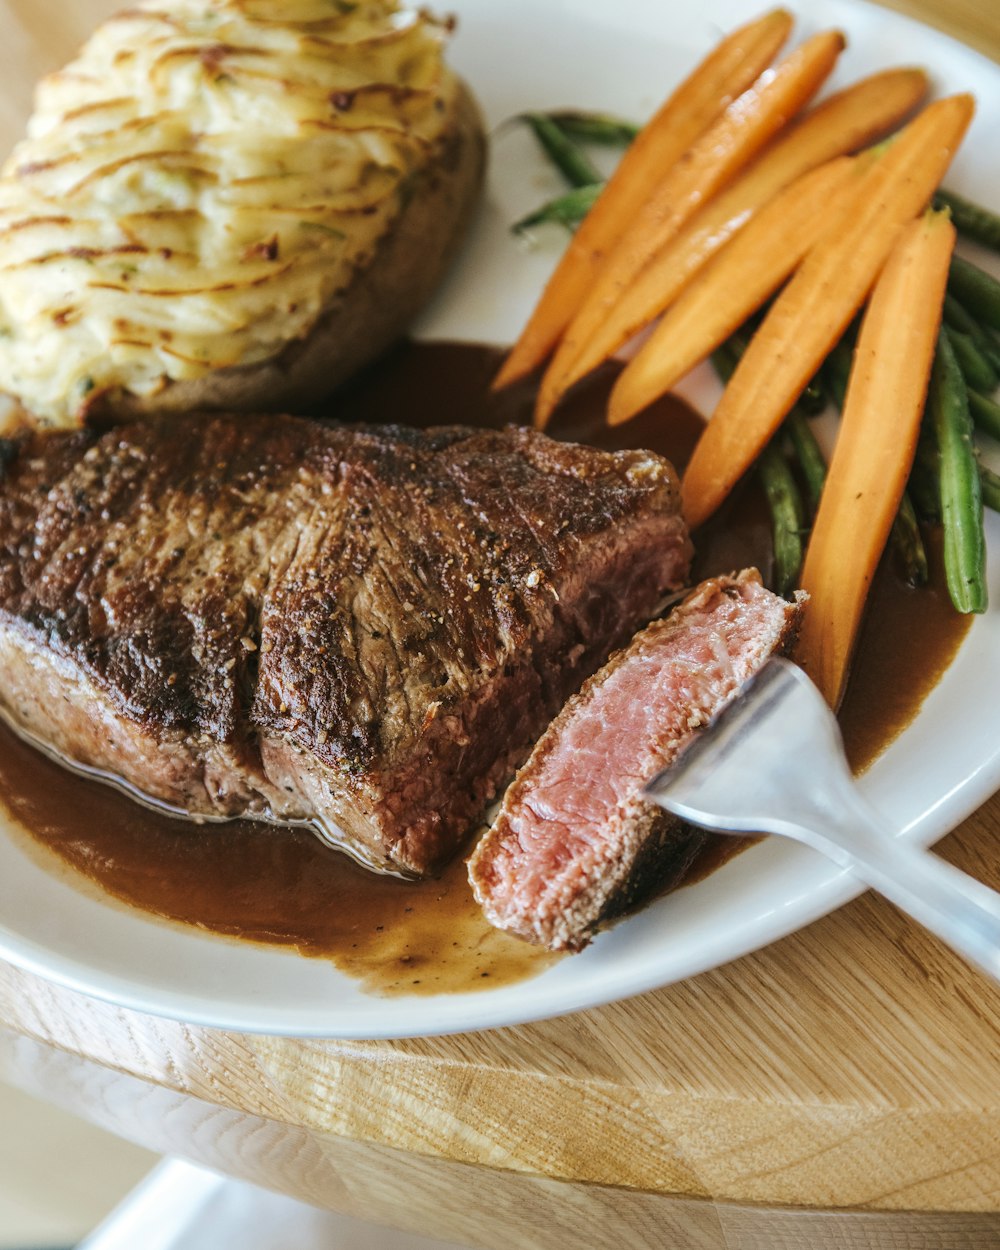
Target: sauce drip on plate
column 282, row 887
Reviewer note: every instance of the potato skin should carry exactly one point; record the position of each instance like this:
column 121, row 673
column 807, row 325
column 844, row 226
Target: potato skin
column 366, row 316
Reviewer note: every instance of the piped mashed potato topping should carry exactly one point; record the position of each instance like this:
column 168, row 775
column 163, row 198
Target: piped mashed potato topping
column 200, row 182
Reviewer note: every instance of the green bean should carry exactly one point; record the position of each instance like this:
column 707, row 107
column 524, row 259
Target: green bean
column 567, row 210
column 972, row 220
column 837, row 371
column 977, row 290
column 979, row 374
column 808, row 454
column 924, row 475
column 908, row 544
column 788, row 514
column 960, row 492
column 989, row 484
column 601, row 128
column 573, row 163
column 740, row 341
column 812, row 401
column 724, row 360
column 985, row 414
column 788, row 519
column 958, row 318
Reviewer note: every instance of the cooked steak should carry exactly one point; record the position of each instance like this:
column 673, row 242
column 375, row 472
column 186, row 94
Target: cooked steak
column 362, row 627
column 575, row 842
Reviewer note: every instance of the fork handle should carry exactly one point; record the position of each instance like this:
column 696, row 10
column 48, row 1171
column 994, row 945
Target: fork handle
column 960, row 910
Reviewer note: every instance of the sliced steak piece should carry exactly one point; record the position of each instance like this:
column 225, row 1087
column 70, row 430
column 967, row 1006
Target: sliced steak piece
column 362, row 627
column 575, row 842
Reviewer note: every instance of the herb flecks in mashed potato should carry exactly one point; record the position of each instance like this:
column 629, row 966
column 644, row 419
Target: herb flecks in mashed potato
column 200, row 182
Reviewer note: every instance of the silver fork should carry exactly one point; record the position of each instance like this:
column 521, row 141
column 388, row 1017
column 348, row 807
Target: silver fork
column 773, row 762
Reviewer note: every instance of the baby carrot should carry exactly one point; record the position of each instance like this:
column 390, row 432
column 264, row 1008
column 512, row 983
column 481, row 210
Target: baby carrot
column 845, row 122
column 875, row 447
column 718, row 80
column 816, row 306
column 708, row 166
column 747, row 271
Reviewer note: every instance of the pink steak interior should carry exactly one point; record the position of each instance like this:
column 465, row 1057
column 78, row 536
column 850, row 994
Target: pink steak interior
column 573, row 801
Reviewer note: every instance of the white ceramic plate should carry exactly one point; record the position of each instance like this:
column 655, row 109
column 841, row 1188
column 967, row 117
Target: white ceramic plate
column 623, row 56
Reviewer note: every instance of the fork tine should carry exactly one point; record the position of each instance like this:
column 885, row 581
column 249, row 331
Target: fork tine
column 773, row 762
column 775, row 738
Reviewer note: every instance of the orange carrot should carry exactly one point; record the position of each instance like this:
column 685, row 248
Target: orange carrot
column 814, row 309
column 707, row 167
column 875, row 447
column 720, row 78
column 843, row 123
column 747, row 271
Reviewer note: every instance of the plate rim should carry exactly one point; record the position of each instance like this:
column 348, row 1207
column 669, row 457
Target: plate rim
column 491, row 1009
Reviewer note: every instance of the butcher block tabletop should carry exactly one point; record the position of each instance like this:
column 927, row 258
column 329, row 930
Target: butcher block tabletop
column 840, row 1088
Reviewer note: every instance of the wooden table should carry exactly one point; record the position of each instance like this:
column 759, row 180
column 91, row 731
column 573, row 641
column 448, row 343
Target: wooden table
column 840, row 1089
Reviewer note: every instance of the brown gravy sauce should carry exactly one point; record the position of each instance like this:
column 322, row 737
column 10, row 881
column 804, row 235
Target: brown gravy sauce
column 282, row 887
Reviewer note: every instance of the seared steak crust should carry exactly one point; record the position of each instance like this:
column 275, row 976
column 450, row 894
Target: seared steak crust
column 365, row 627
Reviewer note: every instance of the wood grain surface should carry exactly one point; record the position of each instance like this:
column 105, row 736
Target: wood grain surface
column 848, row 1075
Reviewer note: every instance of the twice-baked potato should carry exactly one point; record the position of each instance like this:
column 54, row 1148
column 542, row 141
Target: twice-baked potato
column 230, row 204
